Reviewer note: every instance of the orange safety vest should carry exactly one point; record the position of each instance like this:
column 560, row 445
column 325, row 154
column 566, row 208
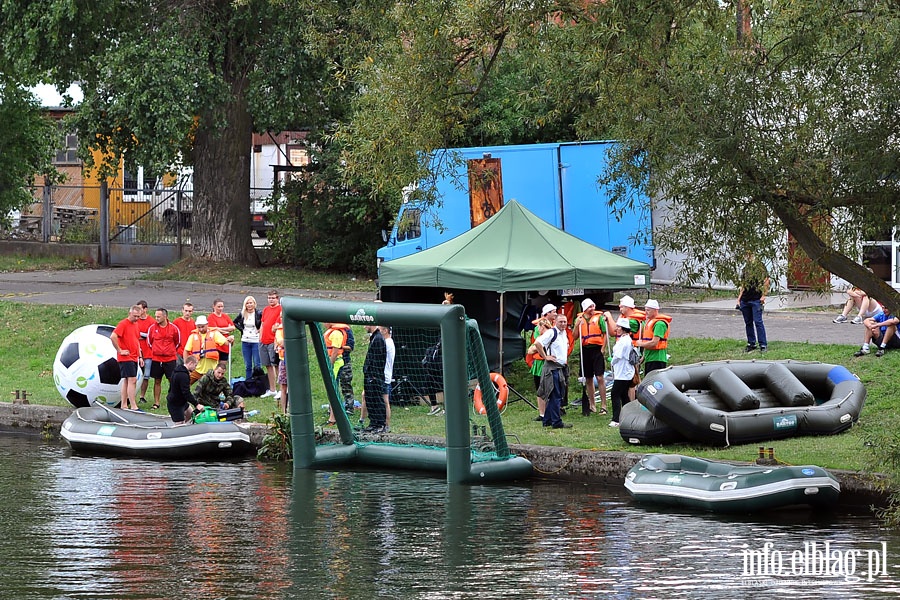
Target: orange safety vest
column 331, row 330
column 639, row 316
column 208, row 348
column 594, row 335
column 647, row 331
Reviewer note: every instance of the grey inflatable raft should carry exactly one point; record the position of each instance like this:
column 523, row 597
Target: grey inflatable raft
column 100, row 429
column 740, row 402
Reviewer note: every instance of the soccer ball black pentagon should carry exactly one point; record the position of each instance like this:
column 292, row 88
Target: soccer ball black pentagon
column 85, row 369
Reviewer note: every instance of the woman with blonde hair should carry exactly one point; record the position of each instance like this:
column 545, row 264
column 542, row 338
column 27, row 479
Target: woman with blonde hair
column 248, row 322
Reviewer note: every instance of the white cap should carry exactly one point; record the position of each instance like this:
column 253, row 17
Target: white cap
column 627, row 301
column 548, row 308
column 652, row 304
column 624, row 323
column 587, row 303
column 201, row 320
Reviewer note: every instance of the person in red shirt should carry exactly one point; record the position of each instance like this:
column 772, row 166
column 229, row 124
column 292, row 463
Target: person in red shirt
column 126, row 339
column 144, row 323
column 268, row 356
column 219, row 321
column 164, row 339
column 185, row 324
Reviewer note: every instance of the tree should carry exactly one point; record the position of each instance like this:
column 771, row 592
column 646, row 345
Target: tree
column 27, row 142
column 787, row 121
column 784, row 119
column 178, row 81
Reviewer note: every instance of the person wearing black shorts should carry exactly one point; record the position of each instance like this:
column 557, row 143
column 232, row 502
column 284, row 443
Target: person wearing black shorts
column 591, row 327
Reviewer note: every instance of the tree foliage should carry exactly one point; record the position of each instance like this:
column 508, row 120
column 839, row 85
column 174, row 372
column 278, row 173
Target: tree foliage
column 173, row 82
column 789, row 123
column 27, row 142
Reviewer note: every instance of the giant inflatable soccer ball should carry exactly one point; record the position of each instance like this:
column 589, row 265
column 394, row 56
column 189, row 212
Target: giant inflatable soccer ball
column 85, row 369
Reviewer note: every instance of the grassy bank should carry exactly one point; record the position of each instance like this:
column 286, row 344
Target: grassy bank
column 32, row 334
column 287, row 277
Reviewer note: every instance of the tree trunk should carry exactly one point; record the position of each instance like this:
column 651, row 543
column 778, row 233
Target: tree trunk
column 836, row 262
column 221, row 219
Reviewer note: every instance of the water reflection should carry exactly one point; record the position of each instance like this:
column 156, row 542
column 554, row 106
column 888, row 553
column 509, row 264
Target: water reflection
column 106, row 528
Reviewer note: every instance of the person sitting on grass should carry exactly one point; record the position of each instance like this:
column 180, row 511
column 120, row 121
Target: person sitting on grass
column 881, row 329
column 868, row 307
column 213, row 390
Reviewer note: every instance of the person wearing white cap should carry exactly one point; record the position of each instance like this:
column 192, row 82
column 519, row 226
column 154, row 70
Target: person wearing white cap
column 553, row 347
column 204, row 344
column 655, row 338
column 591, row 327
column 623, row 369
column 627, row 310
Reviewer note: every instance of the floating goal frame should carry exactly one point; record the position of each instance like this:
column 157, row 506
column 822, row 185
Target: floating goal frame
column 300, row 315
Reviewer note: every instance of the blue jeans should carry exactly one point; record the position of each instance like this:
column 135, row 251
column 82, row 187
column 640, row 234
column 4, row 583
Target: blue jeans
column 752, row 311
column 552, row 414
column 250, row 350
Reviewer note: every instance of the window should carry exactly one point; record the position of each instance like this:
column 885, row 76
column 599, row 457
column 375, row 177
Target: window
column 410, row 225
column 68, row 155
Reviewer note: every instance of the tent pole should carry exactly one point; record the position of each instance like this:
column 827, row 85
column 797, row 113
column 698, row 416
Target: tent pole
column 502, row 316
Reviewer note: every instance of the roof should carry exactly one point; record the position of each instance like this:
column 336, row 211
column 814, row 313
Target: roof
column 515, row 251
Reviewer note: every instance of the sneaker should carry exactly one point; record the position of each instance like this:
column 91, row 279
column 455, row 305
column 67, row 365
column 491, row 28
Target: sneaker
column 277, row 395
column 385, row 429
column 750, row 348
column 880, row 353
column 841, row 319
column 857, row 320
column 539, row 418
column 268, row 394
column 763, row 349
column 563, row 426
column 861, row 352
column 613, row 423
column 435, row 410
column 142, row 400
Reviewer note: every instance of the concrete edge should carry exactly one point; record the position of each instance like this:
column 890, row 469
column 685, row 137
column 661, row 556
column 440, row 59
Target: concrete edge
column 550, row 462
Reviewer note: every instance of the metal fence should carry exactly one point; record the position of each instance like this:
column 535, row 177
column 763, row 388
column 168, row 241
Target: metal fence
column 72, row 214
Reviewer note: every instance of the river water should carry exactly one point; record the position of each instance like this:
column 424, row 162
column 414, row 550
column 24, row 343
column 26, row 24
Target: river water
column 76, row 527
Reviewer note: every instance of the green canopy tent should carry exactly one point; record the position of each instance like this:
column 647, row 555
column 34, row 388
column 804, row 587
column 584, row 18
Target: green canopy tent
column 513, row 251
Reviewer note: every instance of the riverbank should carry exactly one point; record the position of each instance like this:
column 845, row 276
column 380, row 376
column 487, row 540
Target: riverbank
column 858, row 490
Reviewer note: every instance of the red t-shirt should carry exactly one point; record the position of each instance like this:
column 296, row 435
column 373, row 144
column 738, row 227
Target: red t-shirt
column 185, row 327
column 164, row 342
column 144, row 326
column 129, row 336
column 270, row 316
column 216, row 322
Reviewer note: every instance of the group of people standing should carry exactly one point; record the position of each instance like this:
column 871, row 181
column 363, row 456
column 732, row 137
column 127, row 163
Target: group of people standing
column 196, row 351
column 622, row 340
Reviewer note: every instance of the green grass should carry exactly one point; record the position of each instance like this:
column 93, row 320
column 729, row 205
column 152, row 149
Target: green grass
column 287, row 277
column 30, row 336
column 12, row 263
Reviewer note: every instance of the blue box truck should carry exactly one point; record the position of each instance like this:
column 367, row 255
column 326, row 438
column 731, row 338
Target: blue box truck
column 558, row 182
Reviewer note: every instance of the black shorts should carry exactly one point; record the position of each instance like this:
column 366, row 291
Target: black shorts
column 593, row 361
column 893, row 341
column 128, row 368
column 158, row 369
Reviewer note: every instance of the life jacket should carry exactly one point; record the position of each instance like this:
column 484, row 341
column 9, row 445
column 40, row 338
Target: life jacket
column 208, row 349
column 647, row 331
column 348, row 337
column 593, row 334
column 639, row 316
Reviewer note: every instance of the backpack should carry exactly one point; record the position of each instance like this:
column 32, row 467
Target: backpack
column 634, row 358
column 432, row 354
column 253, row 387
